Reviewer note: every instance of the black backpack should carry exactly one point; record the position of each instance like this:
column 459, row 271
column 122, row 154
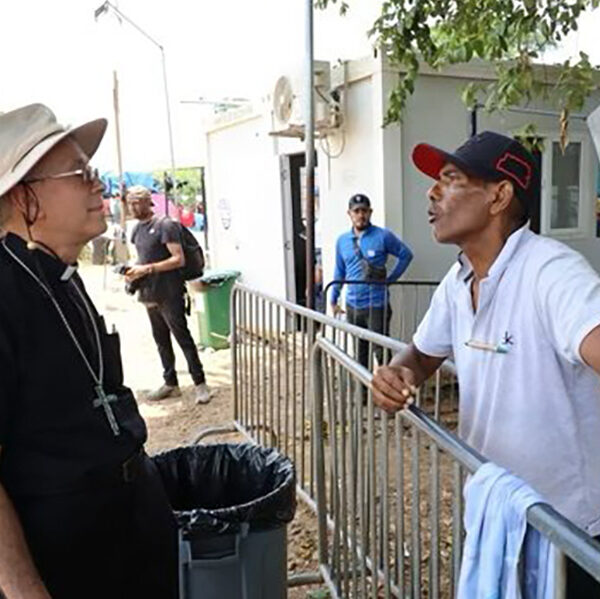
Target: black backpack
column 194, row 256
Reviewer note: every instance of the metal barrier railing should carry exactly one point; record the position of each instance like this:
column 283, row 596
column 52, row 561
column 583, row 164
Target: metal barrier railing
column 389, row 494
column 362, row 475
column 271, row 341
column 393, row 308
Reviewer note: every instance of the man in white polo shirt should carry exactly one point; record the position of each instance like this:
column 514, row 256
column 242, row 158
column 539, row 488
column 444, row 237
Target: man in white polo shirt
column 519, row 314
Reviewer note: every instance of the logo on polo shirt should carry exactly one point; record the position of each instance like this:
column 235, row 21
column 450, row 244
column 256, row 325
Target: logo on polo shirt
column 508, row 339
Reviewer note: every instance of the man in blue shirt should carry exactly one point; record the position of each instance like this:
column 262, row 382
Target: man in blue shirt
column 361, row 255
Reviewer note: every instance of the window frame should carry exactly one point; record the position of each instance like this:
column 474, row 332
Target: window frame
column 585, row 191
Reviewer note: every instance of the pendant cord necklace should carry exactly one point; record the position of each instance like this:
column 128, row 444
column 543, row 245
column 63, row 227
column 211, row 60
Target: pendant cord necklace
column 97, row 378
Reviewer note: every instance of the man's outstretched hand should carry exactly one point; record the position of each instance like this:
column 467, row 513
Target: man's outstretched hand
column 394, row 388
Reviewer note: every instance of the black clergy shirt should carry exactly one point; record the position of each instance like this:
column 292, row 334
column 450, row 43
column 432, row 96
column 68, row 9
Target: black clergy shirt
column 52, row 437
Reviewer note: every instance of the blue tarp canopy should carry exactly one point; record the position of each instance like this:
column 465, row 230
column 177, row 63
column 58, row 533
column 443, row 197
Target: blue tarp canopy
column 111, row 181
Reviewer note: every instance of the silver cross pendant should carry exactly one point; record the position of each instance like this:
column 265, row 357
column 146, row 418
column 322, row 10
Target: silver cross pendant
column 103, row 400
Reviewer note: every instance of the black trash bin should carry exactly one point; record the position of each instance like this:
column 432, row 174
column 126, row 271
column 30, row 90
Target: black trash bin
column 232, row 503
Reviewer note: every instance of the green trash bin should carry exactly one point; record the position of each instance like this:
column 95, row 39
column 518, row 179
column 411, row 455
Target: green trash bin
column 212, row 307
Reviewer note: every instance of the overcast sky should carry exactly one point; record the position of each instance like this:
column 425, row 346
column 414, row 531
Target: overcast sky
column 53, row 51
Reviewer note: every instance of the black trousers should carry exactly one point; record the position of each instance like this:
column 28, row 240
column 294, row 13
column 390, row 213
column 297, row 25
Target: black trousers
column 374, row 319
column 580, row 585
column 118, row 542
column 168, row 318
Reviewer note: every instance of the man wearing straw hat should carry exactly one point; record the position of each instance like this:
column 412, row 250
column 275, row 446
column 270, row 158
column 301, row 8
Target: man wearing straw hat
column 82, row 509
column 520, row 316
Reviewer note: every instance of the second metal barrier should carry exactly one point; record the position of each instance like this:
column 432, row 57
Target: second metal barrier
column 389, row 494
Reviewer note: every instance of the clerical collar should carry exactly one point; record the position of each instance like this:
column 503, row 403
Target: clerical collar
column 53, row 267
column 70, row 270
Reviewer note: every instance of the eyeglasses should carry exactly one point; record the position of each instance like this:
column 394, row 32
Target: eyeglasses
column 87, row 174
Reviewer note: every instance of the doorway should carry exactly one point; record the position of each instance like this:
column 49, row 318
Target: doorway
column 293, row 195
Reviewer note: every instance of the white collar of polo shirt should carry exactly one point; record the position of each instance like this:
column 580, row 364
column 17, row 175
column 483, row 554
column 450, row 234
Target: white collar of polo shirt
column 488, row 285
column 500, row 263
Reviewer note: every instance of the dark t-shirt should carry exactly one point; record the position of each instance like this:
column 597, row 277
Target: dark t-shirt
column 52, row 436
column 150, row 239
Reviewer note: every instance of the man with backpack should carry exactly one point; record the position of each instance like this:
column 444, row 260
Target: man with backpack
column 160, row 279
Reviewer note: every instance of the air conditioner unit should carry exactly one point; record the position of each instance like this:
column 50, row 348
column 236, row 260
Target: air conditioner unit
column 288, row 103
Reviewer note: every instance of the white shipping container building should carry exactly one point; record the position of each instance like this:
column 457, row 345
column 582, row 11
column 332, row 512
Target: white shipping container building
column 254, row 182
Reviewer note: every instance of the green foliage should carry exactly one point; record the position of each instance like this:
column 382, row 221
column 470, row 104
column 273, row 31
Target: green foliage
column 189, row 181
column 343, row 6
column 509, row 34
column 528, row 136
column 321, row 593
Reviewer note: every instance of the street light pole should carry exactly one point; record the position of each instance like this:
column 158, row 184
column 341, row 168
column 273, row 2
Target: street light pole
column 119, row 155
column 168, row 105
column 309, row 124
column 105, row 8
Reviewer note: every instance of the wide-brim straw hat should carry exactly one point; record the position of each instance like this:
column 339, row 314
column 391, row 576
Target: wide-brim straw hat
column 28, row 133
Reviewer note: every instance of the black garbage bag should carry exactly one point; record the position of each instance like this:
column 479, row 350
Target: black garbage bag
column 218, row 488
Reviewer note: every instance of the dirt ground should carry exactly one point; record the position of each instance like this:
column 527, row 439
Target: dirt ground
column 176, row 422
